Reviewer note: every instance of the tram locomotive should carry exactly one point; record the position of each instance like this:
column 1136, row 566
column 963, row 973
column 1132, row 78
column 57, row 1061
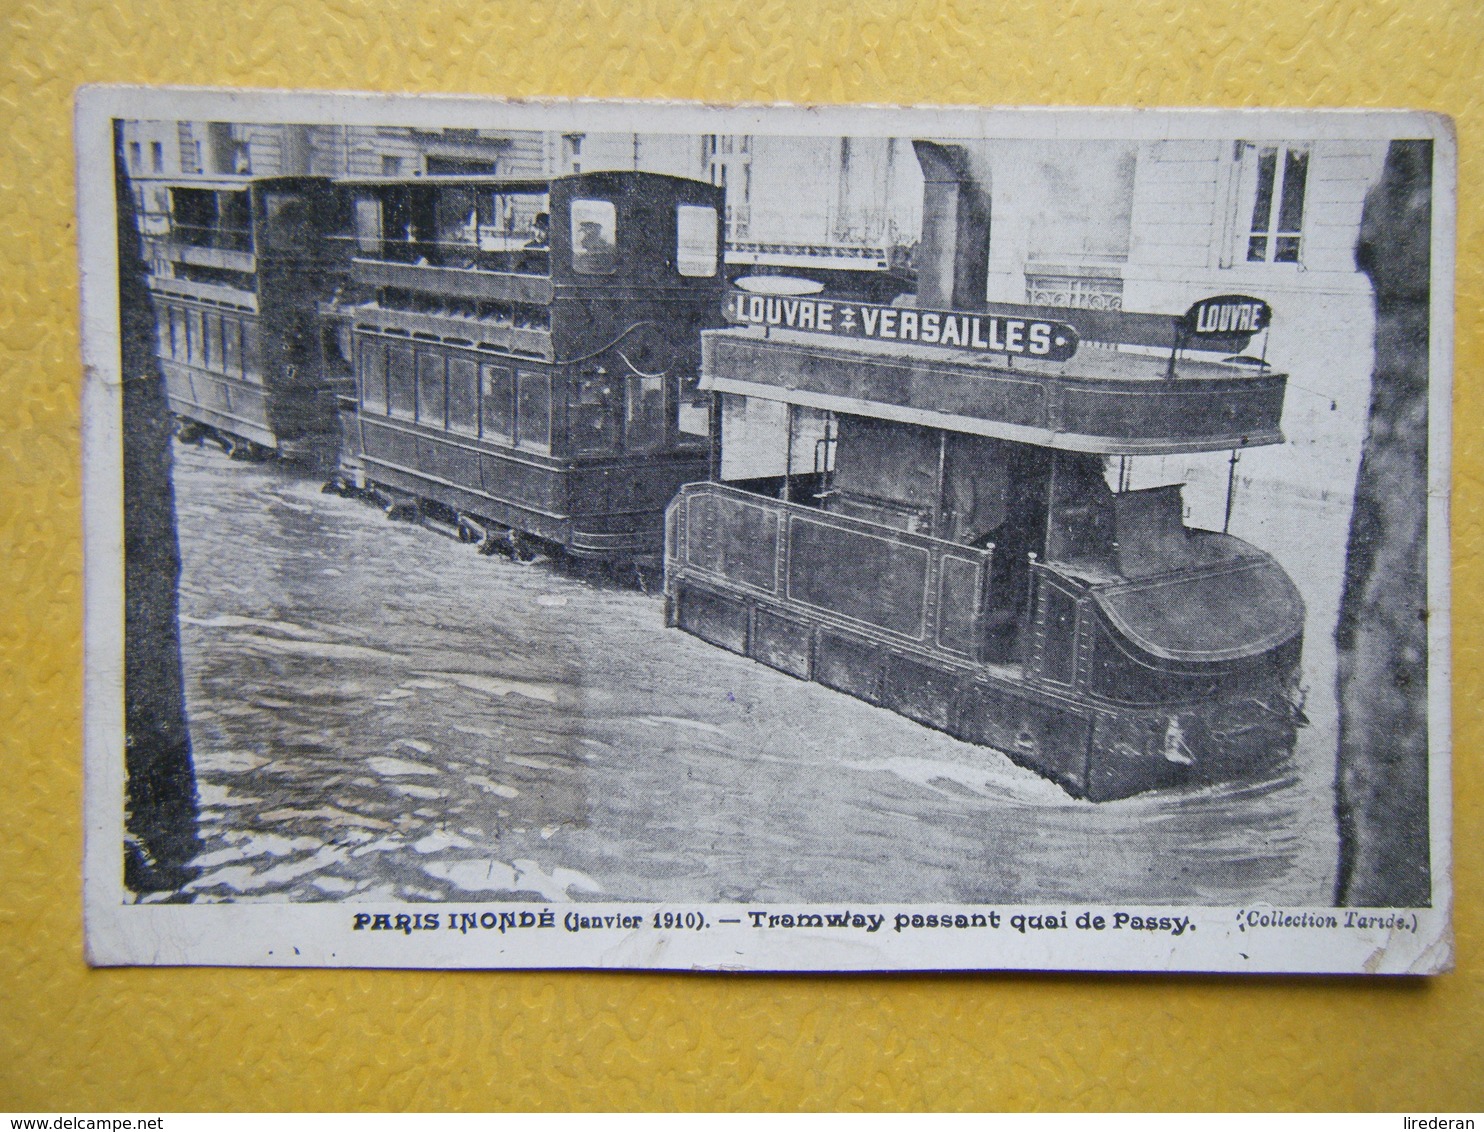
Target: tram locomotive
column 922, row 508
column 237, row 265
column 527, row 353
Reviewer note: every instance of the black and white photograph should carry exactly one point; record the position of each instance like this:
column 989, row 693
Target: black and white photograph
column 764, row 538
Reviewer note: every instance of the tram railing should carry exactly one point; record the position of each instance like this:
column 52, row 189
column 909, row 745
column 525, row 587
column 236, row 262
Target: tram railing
column 873, row 580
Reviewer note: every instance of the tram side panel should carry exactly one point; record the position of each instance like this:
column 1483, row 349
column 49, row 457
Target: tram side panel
column 560, row 405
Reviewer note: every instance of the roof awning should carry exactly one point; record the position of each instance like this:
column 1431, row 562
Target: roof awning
column 1104, row 401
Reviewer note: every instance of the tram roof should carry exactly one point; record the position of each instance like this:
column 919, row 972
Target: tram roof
column 481, row 180
column 1099, row 400
column 219, row 183
column 497, row 181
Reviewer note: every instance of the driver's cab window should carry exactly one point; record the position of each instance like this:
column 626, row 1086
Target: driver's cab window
column 594, row 237
column 695, row 240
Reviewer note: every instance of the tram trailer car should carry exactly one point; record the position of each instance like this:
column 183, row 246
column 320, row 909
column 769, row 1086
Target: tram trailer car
column 527, row 353
column 237, row 267
column 949, row 538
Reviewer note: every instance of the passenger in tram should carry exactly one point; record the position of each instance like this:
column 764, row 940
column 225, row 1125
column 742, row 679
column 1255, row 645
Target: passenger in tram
column 534, row 257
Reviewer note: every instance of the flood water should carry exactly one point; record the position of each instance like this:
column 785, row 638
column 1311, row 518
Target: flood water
column 380, row 713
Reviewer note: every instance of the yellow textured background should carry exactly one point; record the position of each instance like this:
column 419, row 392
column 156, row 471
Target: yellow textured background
column 71, row 1038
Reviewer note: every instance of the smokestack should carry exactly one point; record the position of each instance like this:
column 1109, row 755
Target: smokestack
column 953, row 258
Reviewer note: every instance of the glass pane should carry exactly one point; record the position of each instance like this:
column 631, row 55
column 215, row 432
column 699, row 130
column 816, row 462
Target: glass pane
column 1291, row 209
column 533, row 413
column 498, row 405
column 644, row 419
column 195, row 338
column 1262, row 207
column 401, row 382
column 695, row 241
column 463, row 396
column 373, row 376
column 1286, row 249
column 231, row 346
column 457, row 222
column 695, row 411
column 214, row 343
column 592, row 422
column 252, row 351
column 368, row 226
column 594, row 237
column 1257, row 249
column 432, row 394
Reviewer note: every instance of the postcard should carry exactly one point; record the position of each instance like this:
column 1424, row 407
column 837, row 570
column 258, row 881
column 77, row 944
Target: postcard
column 662, row 536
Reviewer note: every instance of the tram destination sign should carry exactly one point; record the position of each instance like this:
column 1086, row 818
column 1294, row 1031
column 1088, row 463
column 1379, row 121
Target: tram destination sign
column 1225, row 315
column 962, row 330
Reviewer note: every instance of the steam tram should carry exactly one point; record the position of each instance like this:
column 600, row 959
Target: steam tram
column 527, row 353
column 237, row 266
column 942, row 531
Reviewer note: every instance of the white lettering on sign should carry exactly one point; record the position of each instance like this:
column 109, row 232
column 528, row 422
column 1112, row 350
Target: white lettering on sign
column 1053, row 341
column 1220, row 318
column 1227, row 314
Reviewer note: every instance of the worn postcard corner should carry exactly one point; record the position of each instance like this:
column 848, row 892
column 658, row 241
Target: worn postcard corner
column 661, row 536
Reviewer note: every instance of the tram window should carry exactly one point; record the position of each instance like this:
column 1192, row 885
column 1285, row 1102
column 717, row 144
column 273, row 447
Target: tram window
column 231, row 346
column 594, row 237
column 252, row 351
column 214, row 343
column 644, row 414
column 463, row 396
column 368, row 226
column 195, row 338
column 373, row 377
column 401, row 383
column 177, row 334
column 457, row 223
column 432, row 390
column 498, row 406
column 533, row 411
column 695, row 240
column 591, row 421
column 694, row 410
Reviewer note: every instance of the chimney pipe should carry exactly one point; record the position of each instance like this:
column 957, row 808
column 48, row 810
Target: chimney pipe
column 953, row 258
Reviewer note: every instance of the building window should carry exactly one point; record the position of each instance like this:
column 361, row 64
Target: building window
column 136, row 158
column 572, row 152
column 1274, row 177
column 390, row 166
column 157, row 156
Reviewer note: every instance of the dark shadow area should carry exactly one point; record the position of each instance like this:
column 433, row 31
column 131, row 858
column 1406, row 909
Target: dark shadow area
column 160, row 795
column 1381, row 788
